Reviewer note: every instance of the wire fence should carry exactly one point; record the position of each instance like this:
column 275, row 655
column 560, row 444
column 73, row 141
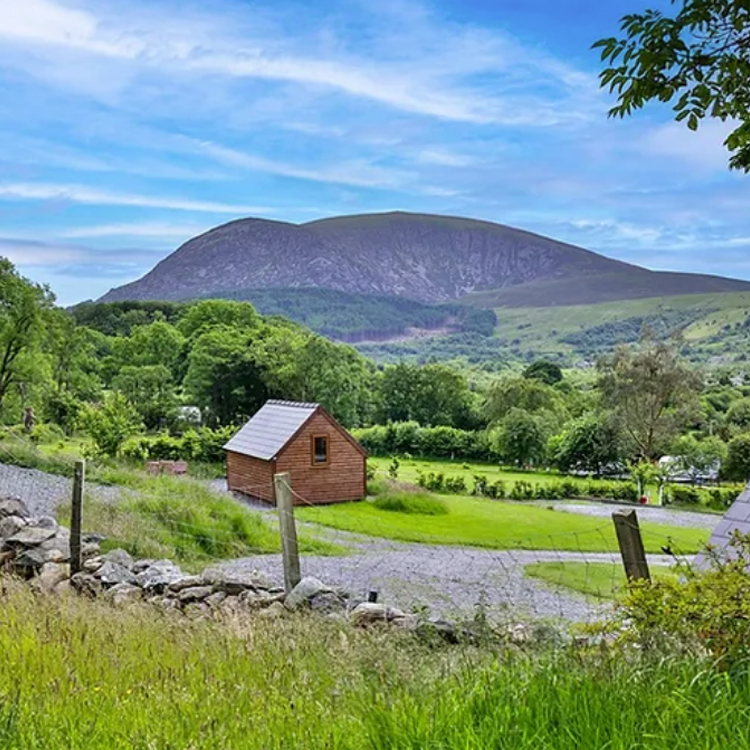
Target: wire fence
column 415, row 563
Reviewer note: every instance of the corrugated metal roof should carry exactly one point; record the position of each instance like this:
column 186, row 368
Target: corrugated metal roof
column 737, row 518
column 270, row 429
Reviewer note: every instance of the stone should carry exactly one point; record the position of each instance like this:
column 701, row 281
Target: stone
column 89, row 550
column 120, row 557
column 112, row 573
column 55, row 556
column 86, row 584
column 274, row 611
column 157, row 576
column 327, row 602
column 168, row 603
column 195, row 594
column 45, row 522
column 13, row 506
column 60, row 543
column 216, row 599
column 185, row 583
column 92, row 564
column 259, row 599
column 305, row 590
column 29, row 536
column 235, row 582
column 11, row 525
column 92, row 538
column 28, row 561
column 369, row 612
column 124, row 593
column 49, row 576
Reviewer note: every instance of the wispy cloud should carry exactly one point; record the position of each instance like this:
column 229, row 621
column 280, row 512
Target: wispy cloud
column 94, row 196
column 138, row 229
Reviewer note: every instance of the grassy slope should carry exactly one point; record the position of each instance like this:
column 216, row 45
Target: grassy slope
column 477, row 522
column 80, row 675
column 598, row 580
column 541, row 329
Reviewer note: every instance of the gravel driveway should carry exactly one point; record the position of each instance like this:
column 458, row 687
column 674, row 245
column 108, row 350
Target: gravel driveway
column 447, row 580
column 43, row 492
column 654, row 514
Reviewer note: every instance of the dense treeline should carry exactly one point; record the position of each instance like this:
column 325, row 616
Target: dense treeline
column 352, row 317
column 119, row 370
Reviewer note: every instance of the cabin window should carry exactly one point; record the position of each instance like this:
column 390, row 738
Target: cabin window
column 320, row 450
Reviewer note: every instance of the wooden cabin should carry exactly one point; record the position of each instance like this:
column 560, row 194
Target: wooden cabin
column 327, row 465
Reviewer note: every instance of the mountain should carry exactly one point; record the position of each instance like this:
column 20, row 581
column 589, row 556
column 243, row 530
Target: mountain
column 418, row 256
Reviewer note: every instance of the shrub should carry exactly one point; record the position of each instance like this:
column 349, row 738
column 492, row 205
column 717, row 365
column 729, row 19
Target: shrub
column 684, row 495
column 456, row 485
column 393, row 469
column 413, row 504
column 705, row 610
column 522, row 490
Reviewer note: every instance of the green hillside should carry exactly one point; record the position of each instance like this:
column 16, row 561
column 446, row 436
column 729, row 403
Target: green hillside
column 715, row 328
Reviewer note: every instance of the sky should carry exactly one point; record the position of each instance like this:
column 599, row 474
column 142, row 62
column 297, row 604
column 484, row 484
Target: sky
column 128, row 127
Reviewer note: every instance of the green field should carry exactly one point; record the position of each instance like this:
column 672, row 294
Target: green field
column 409, row 470
column 476, row 522
column 597, row 580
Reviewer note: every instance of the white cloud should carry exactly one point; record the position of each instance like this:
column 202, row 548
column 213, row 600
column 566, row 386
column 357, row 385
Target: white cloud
column 137, row 229
column 356, row 173
column 435, row 67
column 97, row 197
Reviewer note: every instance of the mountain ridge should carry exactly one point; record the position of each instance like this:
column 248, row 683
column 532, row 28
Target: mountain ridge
column 425, row 257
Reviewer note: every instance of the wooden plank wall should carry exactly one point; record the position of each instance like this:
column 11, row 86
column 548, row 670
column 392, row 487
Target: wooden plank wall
column 344, row 478
column 251, row 476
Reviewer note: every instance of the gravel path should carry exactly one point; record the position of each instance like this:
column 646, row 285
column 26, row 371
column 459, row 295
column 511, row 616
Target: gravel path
column 447, row 580
column 43, row 492
column 653, row 514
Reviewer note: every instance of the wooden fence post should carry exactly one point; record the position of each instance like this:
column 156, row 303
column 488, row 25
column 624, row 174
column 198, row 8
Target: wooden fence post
column 282, row 489
column 631, row 545
column 75, row 517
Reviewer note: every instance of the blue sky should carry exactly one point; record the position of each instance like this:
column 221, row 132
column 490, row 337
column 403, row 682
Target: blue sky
column 128, row 127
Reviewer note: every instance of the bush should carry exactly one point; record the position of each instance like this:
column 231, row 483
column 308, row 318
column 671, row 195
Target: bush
column 705, row 610
column 522, row 490
column 203, row 445
column 413, row 504
column 684, row 495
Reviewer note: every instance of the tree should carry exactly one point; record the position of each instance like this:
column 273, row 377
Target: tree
column 519, row 393
column 651, row 391
column 22, row 308
column 545, row 371
column 432, row 395
column 521, row 438
column 739, row 413
column 224, row 376
column 698, row 57
column 157, row 343
column 737, row 465
column 111, row 424
column 698, row 458
column 149, row 389
column 590, row 443
column 211, row 313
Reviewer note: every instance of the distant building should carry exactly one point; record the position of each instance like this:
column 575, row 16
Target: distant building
column 327, row 465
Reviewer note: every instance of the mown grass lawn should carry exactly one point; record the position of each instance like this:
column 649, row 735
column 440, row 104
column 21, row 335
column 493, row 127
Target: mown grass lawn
column 409, row 471
column 477, row 522
column 598, row 580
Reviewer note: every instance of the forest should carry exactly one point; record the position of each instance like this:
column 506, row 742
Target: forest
column 133, row 376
